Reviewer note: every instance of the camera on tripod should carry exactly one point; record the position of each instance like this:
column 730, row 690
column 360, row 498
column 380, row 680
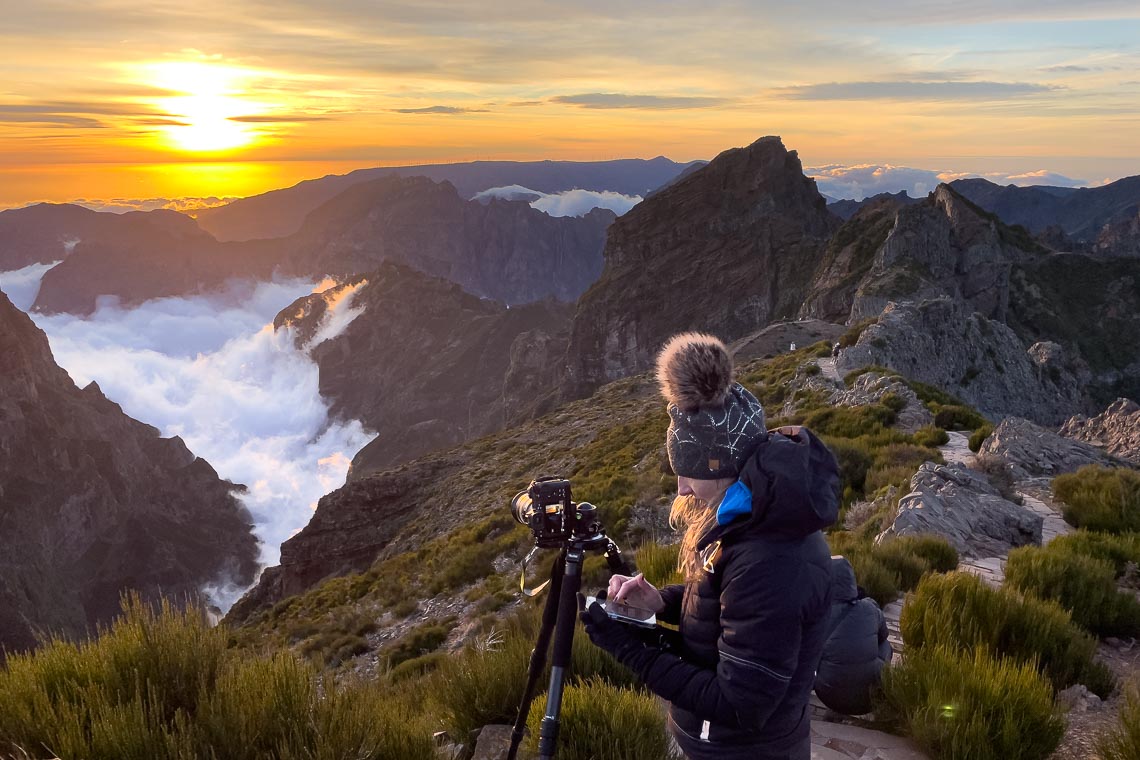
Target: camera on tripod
column 547, row 509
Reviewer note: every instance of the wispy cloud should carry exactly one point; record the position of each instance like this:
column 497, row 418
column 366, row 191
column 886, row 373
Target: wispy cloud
column 647, row 102
column 913, row 90
column 278, row 118
column 440, row 110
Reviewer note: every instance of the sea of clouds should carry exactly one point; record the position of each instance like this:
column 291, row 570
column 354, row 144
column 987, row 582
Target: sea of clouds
column 839, row 182
column 212, row 370
column 565, row 203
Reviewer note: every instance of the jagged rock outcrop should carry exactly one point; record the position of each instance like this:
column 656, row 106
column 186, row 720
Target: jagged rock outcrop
column 1029, row 451
column 847, row 208
column 728, row 249
column 872, row 387
column 425, row 364
column 944, row 246
column 94, row 503
column 961, row 506
column 942, row 343
column 848, row 258
column 1116, row 429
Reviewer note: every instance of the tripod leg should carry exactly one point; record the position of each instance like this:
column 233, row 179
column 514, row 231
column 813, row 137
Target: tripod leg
column 550, row 612
column 563, row 645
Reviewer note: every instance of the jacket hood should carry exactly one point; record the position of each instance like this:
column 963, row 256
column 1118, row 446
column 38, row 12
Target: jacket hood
column 794, row 482
column 843, row 586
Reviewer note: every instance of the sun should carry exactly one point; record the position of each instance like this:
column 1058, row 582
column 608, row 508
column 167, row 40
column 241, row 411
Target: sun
column 206, row 100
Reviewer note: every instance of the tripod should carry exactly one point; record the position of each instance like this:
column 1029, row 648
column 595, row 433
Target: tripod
column 558, row 617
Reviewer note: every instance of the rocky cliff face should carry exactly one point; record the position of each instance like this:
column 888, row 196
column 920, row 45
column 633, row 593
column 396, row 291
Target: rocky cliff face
column 503, row 249
column 944, row 246
column 427, row 365
column 94, row 503
column 982, row 361
column 1116, row 429
column 727, row 249
column 1026, row 451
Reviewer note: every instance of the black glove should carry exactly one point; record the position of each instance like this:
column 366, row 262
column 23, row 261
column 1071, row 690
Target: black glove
column 616, row 638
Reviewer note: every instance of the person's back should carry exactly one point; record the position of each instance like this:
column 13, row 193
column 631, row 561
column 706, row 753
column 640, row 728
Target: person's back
column 856, row 649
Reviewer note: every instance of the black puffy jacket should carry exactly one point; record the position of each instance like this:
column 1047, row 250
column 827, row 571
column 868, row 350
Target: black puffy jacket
column 753, row 626
column 856, row 648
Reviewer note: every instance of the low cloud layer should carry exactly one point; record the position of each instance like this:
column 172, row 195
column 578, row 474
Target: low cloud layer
column 947, row 90
column 645, row 102
column 864, row 180
column 23, row 285
column 212, row 370
column 566, row 203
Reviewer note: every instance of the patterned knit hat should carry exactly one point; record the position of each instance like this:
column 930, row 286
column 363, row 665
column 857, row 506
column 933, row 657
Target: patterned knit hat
column 715, row 424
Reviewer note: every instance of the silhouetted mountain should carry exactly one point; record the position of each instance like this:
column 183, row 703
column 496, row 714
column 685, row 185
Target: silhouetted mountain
column 279, row 213
column 845, row 209
column 729, row 249
column 46, row 232
column 428, row 365
column 501, row 249
column 93, row 503
column 1081, row 213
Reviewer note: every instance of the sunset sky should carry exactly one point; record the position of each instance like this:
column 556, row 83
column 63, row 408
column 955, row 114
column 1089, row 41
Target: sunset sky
column 126, row 99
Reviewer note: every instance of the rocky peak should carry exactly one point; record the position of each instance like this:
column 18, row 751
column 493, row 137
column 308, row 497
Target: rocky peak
column 944, row 343
column 93, row 502
column 1116, row 429
column 1030, row 451
column 944, row 246
column 728, row 249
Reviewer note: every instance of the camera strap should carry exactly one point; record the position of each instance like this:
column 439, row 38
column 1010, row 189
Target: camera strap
column 522, row 576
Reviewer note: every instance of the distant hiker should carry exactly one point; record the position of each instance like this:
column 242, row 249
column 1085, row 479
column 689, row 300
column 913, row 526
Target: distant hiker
column 754, row 611
column 857, row 648
column 835, row 350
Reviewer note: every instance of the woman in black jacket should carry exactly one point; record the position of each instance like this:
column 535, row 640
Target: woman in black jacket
column 753, row 611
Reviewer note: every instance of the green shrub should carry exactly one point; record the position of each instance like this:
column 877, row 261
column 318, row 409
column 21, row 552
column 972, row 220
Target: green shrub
column 160, row 684
column 959, row 610
column 1100, row 498
column 1084, row 585
column 416, row 667
column 931, row 437
column 600, row 720
column 417, row 642
column 854, row 460
column 849, row 421
column 851, row 337
column 1123, row 741
column 979, row 436
column 1117, row 548
column 970, row 706
column 885, row 570
column 955, row 417
column 658, row 563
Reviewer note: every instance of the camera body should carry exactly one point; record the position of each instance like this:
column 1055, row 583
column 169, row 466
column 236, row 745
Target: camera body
column 548, row 510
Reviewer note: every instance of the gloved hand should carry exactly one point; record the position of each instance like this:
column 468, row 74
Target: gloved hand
column 616, row 638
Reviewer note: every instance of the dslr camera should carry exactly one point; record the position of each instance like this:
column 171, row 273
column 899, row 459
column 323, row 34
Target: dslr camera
column 547, row 509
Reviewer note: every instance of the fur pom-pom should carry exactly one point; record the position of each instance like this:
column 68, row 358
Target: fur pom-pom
column 694, row 370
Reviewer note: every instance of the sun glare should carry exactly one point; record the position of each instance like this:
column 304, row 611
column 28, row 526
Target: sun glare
column 208, row 100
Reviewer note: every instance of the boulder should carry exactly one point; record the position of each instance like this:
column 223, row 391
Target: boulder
column 1116, row 429
column 961, row 506
column 1029, row 451
column 871, row 387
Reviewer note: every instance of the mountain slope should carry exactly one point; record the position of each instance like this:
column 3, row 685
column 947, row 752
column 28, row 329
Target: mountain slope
column 93, row 503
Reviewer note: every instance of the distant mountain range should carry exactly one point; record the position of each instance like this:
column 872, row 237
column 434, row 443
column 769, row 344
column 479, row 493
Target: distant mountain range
column 280, row 212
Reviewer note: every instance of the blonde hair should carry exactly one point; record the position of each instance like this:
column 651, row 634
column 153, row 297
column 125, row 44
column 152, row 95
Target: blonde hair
column 696, row 517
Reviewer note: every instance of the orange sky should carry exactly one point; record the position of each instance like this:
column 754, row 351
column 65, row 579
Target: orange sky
column 116, row 99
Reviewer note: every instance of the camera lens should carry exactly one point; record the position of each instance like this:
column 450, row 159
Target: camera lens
column 522, row 507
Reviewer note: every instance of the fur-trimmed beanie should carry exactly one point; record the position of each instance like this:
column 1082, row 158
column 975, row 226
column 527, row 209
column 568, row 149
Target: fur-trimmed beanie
column 714, row 423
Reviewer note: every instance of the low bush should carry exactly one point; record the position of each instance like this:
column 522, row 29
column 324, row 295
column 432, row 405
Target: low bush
column 1118, row 549
column 931, row 436
column 887, row 569
column 979, row 436
column 160, row 684
column 851, row 337
column 1122, row 742
column 955, row 417
column 970, row 706
column 1100, row 498
column 658, row 563
column 600, row 720
column 421, row 640
column 959, row 610
column 1084, row 585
